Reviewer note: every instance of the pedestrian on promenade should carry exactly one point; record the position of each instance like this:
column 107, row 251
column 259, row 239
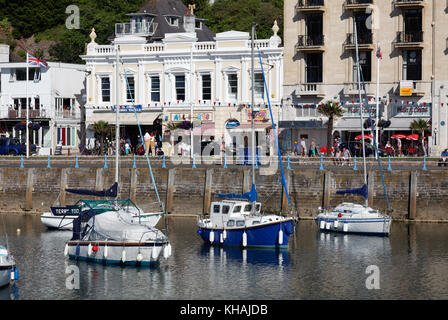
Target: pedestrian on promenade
column 346, row 155
column 296, row 148
column 313, row 148
column 303, row 144
column 337, row 157
column 399, row 147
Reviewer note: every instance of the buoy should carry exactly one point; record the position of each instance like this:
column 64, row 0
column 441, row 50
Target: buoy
column 139, row 257
column 212, row 236
column 89, row 250
column 224, row 234
column 280, row 237
column 322, row 224
column 345, row 227
column 244, row 239
column 123, row 256
column 106, row 251
column 66, row 250
column 328, row 225
column 95, row 249
column 336, row 223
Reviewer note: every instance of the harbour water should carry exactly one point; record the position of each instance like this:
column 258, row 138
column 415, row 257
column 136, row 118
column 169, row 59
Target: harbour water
column 410, row 264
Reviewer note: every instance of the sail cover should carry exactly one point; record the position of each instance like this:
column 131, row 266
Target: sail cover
column 361, row 191
column 251, row 195
column 111, row 192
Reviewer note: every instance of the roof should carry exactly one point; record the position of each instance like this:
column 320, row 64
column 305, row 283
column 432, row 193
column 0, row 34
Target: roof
column 163, row 8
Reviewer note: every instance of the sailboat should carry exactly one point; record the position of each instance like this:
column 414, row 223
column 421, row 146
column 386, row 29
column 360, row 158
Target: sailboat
column 8, row 269
column 238, row 220
column 109, row 231
column 352, row 217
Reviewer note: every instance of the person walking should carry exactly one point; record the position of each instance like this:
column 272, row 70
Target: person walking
column 296, row 148
column 313, row 148
column 399, row 147
column 303, row 144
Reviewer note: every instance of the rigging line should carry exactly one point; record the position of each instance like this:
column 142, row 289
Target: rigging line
column 141, row 135
column 374, row 140
column 275, row 130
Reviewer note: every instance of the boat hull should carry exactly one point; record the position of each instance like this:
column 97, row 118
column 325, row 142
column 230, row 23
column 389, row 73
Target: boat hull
column 5, row 276
column 112, row 252
column 259, row 236
column 367, row 226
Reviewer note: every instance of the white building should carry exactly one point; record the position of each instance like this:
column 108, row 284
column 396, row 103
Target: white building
column 54, row 94
column 174, row 64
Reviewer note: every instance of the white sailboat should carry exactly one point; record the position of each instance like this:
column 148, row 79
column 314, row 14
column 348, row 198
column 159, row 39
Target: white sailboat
column 240, row 222
column 352, row 217
column 112, row 231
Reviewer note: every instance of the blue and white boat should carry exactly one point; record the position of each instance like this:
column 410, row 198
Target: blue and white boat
column 239, row 221
column 8, row 270
column 350, row 217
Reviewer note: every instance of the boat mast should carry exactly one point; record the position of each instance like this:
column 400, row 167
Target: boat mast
column 254, row 144
column 117, row 117
column 360, row 108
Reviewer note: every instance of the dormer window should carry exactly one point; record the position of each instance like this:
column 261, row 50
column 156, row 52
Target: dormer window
column 198, row 24
column 173, row 21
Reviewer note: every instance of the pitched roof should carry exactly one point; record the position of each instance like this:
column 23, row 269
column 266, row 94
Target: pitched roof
column 165, row 8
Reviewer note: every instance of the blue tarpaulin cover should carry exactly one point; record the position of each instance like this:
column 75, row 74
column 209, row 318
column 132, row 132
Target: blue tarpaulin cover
column 251, row 195
column 111, row 192
column 361, row 191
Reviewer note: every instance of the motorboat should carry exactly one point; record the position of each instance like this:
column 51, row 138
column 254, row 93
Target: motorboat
column 353, row 218
column 234, row 223
column 105, row 235
column 8, row 270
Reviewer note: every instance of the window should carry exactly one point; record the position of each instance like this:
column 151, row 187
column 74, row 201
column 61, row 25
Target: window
column 105, row 89
column 172, row 21
column 198, row 24
column 20, row 74
column 225, row 209
column 240, row 223
column 365, row 62
column 259, row 86
column 248, row 208
column 231, row 223
column 237, row 209
column 412, row 65
column 180, row 88
column 216, row 208
column 232, row 86
column 206, row 87
column 155, row 89
column 313, row 68
column 258, row 207
column 130, row 89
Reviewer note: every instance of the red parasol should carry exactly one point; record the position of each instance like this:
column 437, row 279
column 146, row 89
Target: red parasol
column 365, row 137
column 412, row 137
column 398, row 136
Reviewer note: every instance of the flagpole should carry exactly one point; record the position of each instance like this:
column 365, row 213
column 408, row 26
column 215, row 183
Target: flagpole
column 377, row 95
column 27, row 104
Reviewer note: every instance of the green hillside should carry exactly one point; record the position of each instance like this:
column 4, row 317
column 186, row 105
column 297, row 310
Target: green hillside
column 38, row 27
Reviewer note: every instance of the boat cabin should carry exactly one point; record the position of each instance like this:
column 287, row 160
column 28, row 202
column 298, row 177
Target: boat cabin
column 223, row 211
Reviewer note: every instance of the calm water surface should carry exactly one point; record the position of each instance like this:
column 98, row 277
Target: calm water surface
column 413, row 262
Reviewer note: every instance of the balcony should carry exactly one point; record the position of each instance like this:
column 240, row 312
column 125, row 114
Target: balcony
column 143, row 29
column 311, row 89
column 410, row 3
column 409, row 39
column 33, row 114
column 310, row 43
column 365, row 41
column 310, row 6
column 351, row 89
column 357, row 4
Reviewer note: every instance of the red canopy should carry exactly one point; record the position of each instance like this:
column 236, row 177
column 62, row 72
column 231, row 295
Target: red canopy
column 398, row 136
column 365, row 137
column 412, row 137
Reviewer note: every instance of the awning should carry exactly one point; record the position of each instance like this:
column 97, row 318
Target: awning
column 144, row 118
column 400, row 124
column 303, row 124
column 348, row 124
column 248, row 126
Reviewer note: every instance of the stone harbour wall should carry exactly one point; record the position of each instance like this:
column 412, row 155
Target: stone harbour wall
column 413, row 194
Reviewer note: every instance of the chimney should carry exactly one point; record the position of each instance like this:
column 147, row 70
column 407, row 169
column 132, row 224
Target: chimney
column 4, row 53
column 190, row 20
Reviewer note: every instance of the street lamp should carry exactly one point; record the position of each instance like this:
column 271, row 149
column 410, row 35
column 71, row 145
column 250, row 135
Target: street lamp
column 435, row 136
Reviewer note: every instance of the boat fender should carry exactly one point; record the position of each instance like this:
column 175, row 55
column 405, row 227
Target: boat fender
column 336, row 223
column 169, row 249
column 221, row 238
column 212, row 236
column 165, row 252
column 345, row 228
column 322, row 224
column 139, row 257
column 244, row 239
column 89, row 250
column 106, row 251
column 280, row 237
column 95, row 249
column 224, row 235
column 154, row 253
column 16, row 273
column 123, row 256
column 66, row 250
column 328, row 225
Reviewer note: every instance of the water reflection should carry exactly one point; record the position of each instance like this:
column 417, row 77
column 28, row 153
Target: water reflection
column 222, row 254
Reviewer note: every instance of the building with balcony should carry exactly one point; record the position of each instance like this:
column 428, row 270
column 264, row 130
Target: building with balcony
column 413, row 78
column 178, row 71
column 54, row 99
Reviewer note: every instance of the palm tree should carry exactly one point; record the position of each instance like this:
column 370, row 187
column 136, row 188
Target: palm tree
column 101, row 128
column 332, row 110
column 421, row 126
